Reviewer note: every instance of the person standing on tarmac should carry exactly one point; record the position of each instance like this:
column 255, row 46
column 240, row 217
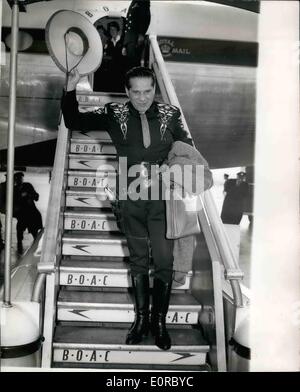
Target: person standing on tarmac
column 28, row 216
column 143, row 132
column 137, row 22
column 234, row 201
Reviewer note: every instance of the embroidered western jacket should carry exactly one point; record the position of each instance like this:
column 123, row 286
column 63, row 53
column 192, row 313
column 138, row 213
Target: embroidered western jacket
column 123, row 123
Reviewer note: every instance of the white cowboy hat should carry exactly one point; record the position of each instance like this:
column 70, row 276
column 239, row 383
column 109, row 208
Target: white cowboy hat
column 73, row 42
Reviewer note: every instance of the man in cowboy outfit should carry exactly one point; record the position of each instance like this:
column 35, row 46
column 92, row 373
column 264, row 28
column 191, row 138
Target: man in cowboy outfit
column 142, row 131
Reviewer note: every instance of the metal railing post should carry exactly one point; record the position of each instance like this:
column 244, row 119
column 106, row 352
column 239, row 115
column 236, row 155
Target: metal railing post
column 11, row 154
column 232, row 270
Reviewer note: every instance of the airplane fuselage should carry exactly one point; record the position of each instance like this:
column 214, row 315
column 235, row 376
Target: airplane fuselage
column 210, row 50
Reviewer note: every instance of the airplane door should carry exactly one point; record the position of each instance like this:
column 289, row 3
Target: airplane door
column 110, row 75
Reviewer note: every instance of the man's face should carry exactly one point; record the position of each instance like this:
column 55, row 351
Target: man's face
column 113, row 31
column 141, row 93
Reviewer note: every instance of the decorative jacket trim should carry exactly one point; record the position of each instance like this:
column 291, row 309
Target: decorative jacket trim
column 166, row 112
column 121, row 114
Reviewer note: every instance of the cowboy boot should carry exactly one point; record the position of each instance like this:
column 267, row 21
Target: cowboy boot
column 160, row 305
column 140, row 326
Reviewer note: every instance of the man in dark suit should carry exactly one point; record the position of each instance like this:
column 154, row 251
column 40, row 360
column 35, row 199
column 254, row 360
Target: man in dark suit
column 136, row 25
column 25, row 210
column 234, row 201
column 114, row 59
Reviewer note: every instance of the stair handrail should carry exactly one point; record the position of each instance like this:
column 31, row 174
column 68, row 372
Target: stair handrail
column 232, row 271
column 53, row 231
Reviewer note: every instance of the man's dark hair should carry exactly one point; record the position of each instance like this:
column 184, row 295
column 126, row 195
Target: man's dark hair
column 113, row 24
column 139, row 72
column 18, row 175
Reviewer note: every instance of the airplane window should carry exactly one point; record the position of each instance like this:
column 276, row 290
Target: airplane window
column 25, row 41
column 2, row 54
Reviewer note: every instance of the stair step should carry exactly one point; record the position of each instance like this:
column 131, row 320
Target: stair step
column 91, row 135
column 89, row 99
column 87, row 199
column 131, row 367
column 94, row 274
column 87, row 221
column 91, row 147
column 91, row 179
column 85, row 245
column 106, row 345
column 85, row 146
column 99, row 100
column 93, row 162
column 101, row 274
column 117, row 307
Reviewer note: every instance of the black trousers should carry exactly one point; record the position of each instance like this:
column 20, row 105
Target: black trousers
column 144, row 223
column 31, row 220
column 21, row 227
column 134, row 51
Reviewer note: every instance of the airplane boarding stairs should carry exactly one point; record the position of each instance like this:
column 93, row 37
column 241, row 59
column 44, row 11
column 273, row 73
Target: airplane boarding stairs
column 89, row 305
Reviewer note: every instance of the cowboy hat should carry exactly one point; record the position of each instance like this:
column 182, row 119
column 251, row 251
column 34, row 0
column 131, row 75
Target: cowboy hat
column 73, row 42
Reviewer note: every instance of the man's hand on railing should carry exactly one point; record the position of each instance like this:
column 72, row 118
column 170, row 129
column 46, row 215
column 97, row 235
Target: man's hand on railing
column 73, row 79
